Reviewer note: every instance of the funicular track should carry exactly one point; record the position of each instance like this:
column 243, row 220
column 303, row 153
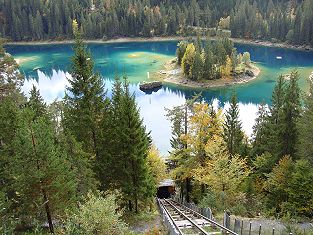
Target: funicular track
column 188, row 221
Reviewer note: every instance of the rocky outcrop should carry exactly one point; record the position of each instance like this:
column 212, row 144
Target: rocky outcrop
column 145, row 86
column 250, row 73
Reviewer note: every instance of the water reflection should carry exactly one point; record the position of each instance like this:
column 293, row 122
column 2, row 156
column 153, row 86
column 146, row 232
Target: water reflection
column 152, row 107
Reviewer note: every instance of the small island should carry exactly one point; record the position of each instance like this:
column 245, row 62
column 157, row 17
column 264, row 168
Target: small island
column 148, row 86
column 209, row 64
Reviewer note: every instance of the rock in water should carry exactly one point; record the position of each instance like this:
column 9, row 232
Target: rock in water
column 250, row 73
column 145, row 86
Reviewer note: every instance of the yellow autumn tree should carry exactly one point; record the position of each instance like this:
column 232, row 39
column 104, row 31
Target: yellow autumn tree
column 224, row 23
column 156, row 164
column 226, row 69
column 75, row 27
column 188, row 59
column 222, row 173
column 203, row 123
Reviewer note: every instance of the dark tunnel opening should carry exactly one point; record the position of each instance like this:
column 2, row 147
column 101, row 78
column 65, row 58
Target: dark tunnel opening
column 165, row 192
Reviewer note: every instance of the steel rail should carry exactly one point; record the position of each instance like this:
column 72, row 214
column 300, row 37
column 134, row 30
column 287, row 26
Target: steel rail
column 207, row 219
column 186, row 217
column 169, row 215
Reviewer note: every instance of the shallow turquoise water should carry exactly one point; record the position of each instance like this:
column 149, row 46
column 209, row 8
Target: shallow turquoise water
column 49, row 65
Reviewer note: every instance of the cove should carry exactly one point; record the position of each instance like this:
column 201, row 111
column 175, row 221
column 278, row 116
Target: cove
column 48, row 64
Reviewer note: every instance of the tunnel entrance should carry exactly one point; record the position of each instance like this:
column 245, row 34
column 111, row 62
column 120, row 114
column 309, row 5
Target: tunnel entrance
column 166, row 189
column 165, row 192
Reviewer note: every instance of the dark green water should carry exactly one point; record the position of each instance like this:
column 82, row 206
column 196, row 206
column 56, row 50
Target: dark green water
column 49, row 65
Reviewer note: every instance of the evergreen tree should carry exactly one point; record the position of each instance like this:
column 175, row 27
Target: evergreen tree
column 234, row 59
column 291, row 114
column 208, row 66
column 42, row 174
column 260, row 135
column 233, row 134
column 177, row 118
column 129, row 155
column 276, row 124
column 277, row 20
column 85, row 100
column 36, row 103
column 196, row 70
column 180, row 52
column 305, row 147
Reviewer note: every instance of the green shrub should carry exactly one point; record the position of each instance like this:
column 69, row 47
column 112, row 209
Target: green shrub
column 98, row 214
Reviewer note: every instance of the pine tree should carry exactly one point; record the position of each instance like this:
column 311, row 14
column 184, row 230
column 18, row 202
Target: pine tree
column 291, row 114
column 276, row 124
column 130, row 148
column 234, row 59
column 208, row 66
column 260, row 135
column 177, row 118
column 85, row 100
column 36, row 103
column 246, row 58
column 305, row 147
column 233, row 134
column 196, row 70
column 42, row 174
column 180, row 52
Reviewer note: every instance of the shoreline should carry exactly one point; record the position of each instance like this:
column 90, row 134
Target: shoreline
column 172, row 74
column 164, row 39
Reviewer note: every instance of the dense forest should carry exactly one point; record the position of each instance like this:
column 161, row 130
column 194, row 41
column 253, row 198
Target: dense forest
column 275, row 20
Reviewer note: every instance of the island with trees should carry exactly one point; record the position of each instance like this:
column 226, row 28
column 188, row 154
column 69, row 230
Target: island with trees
column 209, row 64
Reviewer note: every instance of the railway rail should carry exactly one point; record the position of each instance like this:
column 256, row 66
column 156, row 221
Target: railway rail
column 183, row 220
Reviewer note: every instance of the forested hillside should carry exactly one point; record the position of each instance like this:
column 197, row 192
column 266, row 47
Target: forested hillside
column 275, row 20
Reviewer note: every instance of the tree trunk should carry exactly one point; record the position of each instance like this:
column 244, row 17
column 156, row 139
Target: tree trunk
column 47, row 208
column 130, row 206
column 188, row 189
column 182, row 191
column 44, row 194
column 186, row 123
column 136, row 204
column 95, row 144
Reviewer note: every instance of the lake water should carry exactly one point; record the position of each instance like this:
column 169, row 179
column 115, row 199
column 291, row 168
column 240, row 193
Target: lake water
column 48, row 64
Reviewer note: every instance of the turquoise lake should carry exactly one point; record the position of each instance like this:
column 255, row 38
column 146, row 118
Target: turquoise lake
column 48, row 64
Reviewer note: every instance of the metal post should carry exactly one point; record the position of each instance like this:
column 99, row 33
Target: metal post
column 273, row 233
column 260, row 229
column 241, row 227
column 250, row 229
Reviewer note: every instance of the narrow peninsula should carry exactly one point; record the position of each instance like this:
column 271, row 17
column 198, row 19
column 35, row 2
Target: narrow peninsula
column 209, row 64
